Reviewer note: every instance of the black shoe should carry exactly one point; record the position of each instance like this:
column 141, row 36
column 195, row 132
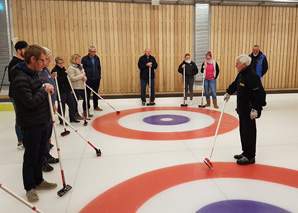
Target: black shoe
column 143, row 103
column 74, row 121
column 53, row 160
column 246, row 161
column 51, row 146
column 77, row 116
column 152, row 103
column 47, row 168
column 238, row 156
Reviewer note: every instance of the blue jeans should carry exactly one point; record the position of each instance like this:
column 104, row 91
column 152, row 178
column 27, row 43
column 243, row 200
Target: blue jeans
column 17, row 127
column 210, row 84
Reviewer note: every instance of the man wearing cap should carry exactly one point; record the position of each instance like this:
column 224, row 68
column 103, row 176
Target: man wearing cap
column 19, row 57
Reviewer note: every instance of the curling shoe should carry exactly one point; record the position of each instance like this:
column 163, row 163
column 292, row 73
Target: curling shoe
column 44, row 185
column 238, row 156
column 245, row 161
column 32, row 195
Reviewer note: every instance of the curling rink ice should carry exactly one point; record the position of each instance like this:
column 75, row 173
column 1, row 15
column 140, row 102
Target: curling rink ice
column 152, row 160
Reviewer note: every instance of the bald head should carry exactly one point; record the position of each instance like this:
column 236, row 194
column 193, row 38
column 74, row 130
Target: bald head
column 147, row 52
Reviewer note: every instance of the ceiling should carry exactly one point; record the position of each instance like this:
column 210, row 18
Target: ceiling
column 293, row 3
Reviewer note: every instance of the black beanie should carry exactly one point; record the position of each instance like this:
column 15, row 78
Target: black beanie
column 20, row 45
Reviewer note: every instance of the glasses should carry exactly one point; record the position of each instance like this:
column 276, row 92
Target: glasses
column 48, row 59
column 60, row 63
column 42, row 60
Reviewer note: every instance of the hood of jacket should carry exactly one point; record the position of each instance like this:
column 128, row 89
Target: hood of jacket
column 23, row 67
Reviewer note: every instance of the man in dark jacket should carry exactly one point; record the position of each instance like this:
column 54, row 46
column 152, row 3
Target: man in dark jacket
column 259, row 61
column 20, row 47
column 146, row 61
column 33, row 115
column 91, row 65
column 191, row 70
column 251, row 98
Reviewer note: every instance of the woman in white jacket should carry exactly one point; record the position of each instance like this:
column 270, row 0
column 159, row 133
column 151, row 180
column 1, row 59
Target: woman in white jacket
column 77, row 77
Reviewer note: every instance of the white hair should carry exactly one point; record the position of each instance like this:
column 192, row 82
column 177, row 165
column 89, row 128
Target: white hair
column 48, row 51
column 91, row 48
column 244, row 59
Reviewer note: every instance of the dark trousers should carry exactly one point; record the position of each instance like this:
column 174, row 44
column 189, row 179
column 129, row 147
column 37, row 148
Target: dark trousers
column 189, row 81
column 34, row 139
column 94, row 84
column 67, row 98
column 80, row 93
column 144, row 83
column 248, row 136
column 48, row 144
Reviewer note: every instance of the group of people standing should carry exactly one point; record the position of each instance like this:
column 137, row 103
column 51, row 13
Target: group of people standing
column 251, row 96
column 30, row 83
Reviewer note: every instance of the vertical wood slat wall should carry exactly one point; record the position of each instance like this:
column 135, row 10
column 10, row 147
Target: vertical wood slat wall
column 119, row 31
column 234, row 31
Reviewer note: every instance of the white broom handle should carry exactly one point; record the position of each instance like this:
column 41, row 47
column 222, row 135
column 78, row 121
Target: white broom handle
column 87, row 110
column 184, row 84
column 55, row 131
column 59, row 100
column 20, row 199
column 149, row 84
column 219, row 121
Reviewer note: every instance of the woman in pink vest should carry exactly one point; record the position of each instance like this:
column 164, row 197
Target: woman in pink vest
column 210, row 72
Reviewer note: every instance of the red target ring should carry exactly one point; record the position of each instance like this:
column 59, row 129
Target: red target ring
column 108, row 124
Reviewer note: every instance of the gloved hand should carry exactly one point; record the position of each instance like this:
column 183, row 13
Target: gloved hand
column 226, row 97
column 253, row 114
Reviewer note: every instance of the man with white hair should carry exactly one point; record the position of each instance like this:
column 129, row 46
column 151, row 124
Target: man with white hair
column 259, row 61
column 251, row 98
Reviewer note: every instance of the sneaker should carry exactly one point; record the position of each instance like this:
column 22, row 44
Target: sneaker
column 46, row 168
column 20, row 146
column 190, row 103
column 53, row 160
column 152, row 103
column 143, row 103
column 32, row 195
column 97, row 109
column 245, row 161
column 238, row 156
column 44, row 185
column 74, row 121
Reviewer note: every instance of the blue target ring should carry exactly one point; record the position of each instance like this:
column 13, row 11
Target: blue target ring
column 166, row 119
column 243, row 206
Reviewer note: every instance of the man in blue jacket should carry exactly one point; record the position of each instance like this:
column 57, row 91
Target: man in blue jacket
column 146, row 61
column 91, row 65
column 259, row 61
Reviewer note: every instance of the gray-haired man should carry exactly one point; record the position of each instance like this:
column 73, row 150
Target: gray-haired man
column 91, row 65
column 251, row 98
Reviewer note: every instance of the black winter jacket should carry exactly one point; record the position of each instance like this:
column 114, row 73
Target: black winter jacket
column 190, row 69
column 250, row 92
column 63, row 82
column 93, row 71
column 14, row 61
column 32, row 107
column 144, row 74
